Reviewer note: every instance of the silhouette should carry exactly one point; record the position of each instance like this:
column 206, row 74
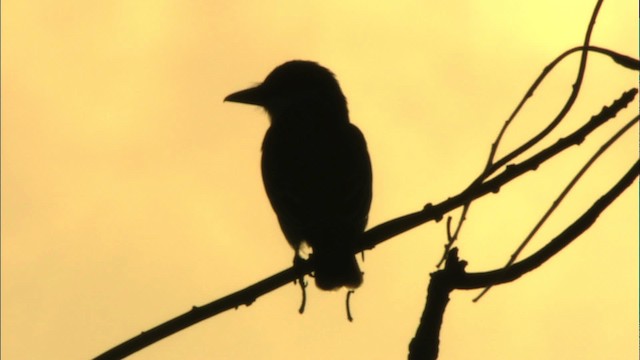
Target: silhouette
column 315, row 167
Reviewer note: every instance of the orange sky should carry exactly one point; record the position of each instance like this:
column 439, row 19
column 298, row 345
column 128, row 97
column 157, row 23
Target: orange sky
column 130, row 192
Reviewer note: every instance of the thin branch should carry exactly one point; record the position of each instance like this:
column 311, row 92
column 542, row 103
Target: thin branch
column 425, row 343
column 491, row 167
column 572, row 183
column 480, row 280
column 370, row 239
column 564, row 193
column 244, row 297
column 452, row 237
column 435, row 212
column 620, row 59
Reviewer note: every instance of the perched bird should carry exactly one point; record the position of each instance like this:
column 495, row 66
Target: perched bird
column 315, row 167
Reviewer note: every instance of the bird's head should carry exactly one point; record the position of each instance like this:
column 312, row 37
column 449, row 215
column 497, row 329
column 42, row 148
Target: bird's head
column 297, row 91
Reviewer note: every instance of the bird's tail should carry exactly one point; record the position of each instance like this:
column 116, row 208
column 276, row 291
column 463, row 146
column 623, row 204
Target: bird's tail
column 336, row 268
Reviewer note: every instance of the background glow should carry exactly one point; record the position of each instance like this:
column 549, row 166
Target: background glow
column 130, row 192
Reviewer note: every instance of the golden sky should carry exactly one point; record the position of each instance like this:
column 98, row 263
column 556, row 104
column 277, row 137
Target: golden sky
column 131, row 192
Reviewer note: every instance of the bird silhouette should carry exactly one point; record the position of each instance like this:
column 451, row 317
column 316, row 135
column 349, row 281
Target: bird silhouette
column 315, row 167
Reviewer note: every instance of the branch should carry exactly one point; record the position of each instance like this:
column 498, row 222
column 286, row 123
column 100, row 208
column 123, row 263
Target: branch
column 425, row 343
column 564, row 193
column 430, row 212
column 571, row 184
column 370, row 239
column 620, row 59
column 579, row 226
column 491, row 167
column 452, row 237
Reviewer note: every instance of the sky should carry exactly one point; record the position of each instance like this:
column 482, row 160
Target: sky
column 131, row 192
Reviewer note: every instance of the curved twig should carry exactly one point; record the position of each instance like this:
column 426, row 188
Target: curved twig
column 491, row 167
column 563, row 194
column 425, row 343
column 480, row 280
column 453, row 236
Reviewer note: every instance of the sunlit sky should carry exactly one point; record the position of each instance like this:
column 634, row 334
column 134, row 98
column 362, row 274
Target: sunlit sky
column 131, row 192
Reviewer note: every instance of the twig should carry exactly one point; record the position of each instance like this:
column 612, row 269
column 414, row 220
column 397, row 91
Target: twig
column 491, row 167
column 452, row 237
column 623, row 60
column 620, row 59
column 579, row 226
column 425, row 343
column 431, row 212
column 563, row 194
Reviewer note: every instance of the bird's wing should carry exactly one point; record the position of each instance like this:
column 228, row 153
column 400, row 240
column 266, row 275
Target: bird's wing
column 322, row 181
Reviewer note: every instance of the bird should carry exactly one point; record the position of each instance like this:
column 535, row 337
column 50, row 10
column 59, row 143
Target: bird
column 315, row 167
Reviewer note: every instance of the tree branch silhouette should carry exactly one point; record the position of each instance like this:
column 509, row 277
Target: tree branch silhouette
column 435, row 212
column 496, row 174
column 491, row 165
column 425, row 343
column 564, row 193
column 370, row 239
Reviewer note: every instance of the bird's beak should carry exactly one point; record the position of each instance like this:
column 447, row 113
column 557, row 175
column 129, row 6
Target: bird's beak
column 254, row 96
